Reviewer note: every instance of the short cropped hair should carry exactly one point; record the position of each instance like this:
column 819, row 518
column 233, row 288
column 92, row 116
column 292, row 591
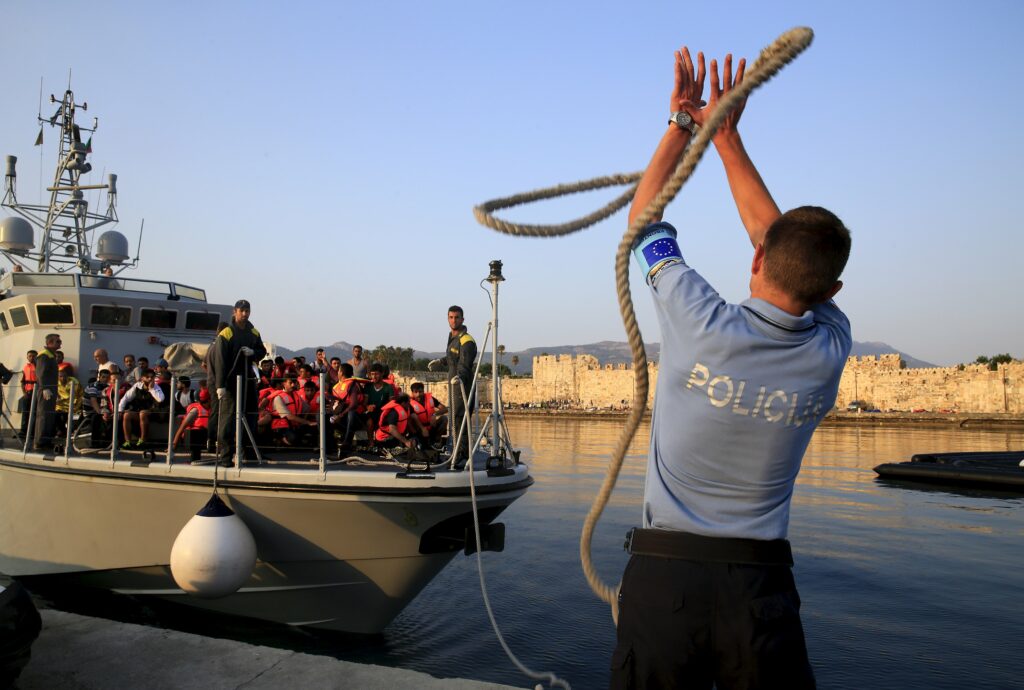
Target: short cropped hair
column 378, row 367
column 805, row 251
column 457, row 309
column 346, row 370
column 416, row 387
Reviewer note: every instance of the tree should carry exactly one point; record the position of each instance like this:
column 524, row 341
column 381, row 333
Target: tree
column 485, row 370
column 515, row 360
column 394, row 357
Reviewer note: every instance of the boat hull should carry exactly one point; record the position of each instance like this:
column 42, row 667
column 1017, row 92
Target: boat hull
column 335, row 557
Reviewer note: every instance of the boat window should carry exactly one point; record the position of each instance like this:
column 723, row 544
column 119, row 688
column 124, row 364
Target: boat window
column 201, row 321
column 19, row 316
column 190, row 293
column 54, row 313
column 158, row 318
column 109, row 315
column 3, row 321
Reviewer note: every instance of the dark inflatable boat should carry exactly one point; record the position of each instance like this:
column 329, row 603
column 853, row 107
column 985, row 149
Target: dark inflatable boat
column 1002, row 469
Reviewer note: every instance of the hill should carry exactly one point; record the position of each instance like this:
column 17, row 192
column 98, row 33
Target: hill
column 606, row 351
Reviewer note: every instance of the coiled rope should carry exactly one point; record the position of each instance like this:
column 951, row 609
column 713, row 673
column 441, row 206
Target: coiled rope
column 772, row 59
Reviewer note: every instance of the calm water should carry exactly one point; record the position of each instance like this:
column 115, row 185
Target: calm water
column 903, row 586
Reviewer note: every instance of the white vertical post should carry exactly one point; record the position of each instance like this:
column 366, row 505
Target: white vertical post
column 238, row 423
column 170, row 422
column 323, row 424
column 71, row 420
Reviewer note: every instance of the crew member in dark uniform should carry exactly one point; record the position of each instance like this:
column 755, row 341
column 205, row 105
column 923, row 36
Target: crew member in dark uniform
column 46, row 389
column 234, row 351
column 460, row 356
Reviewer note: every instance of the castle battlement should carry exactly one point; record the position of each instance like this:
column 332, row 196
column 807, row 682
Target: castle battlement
column 882, row 381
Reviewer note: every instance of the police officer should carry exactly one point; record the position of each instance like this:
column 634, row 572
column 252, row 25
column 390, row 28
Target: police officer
column 236, row 347
column 460, row 357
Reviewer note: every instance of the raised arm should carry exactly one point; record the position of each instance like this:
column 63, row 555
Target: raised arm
column 754, row 202
column 688, row 88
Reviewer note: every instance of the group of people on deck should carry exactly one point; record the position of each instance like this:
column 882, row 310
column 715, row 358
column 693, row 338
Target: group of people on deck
column 281, row 398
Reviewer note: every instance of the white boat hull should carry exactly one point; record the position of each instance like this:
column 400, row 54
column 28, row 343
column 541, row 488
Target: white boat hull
column 330, row 556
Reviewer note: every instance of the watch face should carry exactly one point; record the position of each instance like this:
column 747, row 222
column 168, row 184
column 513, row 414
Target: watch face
column 683, row 118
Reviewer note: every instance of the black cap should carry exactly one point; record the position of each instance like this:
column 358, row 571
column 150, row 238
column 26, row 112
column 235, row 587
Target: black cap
column 242, row 304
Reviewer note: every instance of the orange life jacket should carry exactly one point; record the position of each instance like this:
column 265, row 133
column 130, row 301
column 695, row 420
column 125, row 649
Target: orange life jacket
column 403, row 420
column 28, row 377
column 293, row 405
column 202, row 419
column 342, row 389
column 425, row 410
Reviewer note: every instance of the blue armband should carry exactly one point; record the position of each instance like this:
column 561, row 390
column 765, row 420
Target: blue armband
column 656, row 245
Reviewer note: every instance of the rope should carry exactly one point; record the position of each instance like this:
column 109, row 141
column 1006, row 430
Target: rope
column 772, row 59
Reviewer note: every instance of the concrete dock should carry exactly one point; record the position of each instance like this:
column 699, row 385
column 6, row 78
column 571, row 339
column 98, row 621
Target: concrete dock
column 78, row 653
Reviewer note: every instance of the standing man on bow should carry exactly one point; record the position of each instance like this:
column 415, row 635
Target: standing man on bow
column 237, row 346
column 708, row 597
column 46, row 392
column 460, row 356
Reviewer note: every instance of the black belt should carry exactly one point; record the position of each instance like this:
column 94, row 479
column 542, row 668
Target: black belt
column 665, row 543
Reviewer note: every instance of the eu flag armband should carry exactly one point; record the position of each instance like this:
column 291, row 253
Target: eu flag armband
column 655, row 248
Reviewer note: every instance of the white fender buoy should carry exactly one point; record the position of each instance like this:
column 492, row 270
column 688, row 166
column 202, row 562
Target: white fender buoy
column 214, row 553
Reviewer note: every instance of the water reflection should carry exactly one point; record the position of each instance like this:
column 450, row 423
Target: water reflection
column 904, row 585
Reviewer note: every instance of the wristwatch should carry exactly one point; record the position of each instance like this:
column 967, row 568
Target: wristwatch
column 684, row 121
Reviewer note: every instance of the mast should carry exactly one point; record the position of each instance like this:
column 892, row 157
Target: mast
column 66, row 222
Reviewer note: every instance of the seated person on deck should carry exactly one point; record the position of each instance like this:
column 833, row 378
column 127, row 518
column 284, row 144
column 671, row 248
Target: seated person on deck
column 99, row 395
column 378, row 393
column 286, row 408
column 136, row 405
column 430, row 412
column 64, row 384
column 395, row 422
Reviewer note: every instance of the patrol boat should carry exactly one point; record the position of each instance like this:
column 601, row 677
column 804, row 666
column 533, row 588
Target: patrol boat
column 342, row 544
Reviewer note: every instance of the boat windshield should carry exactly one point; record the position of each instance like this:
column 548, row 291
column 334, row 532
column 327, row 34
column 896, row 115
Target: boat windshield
column 70, row 280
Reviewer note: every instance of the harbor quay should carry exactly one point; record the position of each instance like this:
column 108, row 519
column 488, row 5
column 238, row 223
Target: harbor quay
column 84, row 653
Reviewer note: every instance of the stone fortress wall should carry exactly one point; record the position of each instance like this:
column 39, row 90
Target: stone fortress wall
column 883, row 382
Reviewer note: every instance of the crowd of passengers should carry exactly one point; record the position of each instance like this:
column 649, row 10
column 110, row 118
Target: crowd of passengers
column 358, row 396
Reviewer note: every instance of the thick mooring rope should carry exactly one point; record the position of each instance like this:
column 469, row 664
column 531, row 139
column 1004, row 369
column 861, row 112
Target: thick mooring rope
column 772, row 59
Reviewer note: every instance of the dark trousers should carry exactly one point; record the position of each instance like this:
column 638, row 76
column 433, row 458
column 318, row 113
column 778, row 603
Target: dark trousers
column 348, row 424
column 226, row 420
column 691, row 624
column 46, row 420
column 24, row 405
column 457, row 412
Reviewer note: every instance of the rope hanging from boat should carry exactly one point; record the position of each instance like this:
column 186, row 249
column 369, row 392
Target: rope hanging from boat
column 772, row 59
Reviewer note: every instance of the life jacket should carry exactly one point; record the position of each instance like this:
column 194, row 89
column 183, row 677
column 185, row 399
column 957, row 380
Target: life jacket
column 202, row 419
column 291, row 401
column 403, row 420
column 342, row 389
column 425, row 410
column 390, row 380
column 264, row 396
column 309, row 406
column 28, row 377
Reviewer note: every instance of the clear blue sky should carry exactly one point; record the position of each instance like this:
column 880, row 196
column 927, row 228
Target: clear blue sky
column 322, row 159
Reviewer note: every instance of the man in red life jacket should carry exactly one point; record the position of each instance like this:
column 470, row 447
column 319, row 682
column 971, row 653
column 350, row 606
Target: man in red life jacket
column 394, row 422
column 429, row 410
column 196, row 422
column 348, row 410
column 306, row 375
column 286, row 408
column 309, row 399
column 28, row 383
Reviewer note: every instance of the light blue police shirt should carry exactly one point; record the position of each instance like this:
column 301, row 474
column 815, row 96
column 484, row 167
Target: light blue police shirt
column 741, row 388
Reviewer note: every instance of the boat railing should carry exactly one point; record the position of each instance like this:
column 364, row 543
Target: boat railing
column 170, row 290
column 79, row 427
